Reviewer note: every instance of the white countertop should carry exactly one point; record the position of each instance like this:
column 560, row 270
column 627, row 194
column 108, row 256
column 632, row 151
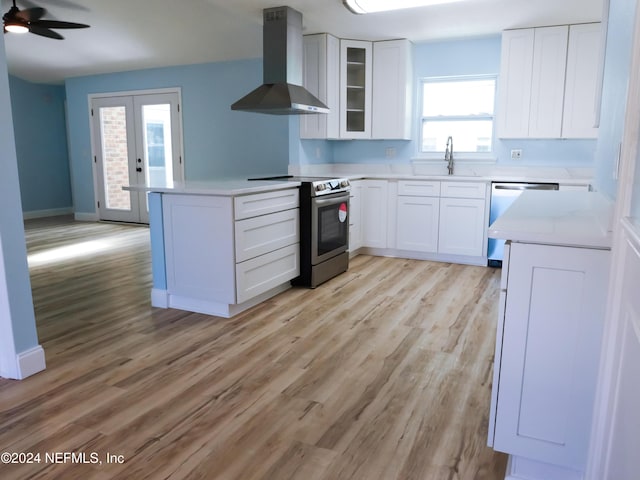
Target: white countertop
column 465, row 171
column 469, row 172
column 568, row 218
column 225, row 188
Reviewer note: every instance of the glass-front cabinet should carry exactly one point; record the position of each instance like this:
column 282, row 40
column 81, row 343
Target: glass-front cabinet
column 355, row 88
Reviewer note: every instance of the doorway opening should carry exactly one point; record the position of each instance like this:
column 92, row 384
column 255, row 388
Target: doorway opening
column 136, row 140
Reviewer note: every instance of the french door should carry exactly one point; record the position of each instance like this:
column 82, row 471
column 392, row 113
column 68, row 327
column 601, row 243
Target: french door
column 137, row 140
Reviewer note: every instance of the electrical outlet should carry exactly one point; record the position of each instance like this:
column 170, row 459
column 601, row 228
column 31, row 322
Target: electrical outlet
column 516, row 154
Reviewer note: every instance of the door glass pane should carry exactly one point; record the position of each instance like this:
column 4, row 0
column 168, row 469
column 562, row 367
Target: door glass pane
column 156, row 125
column 113, row 125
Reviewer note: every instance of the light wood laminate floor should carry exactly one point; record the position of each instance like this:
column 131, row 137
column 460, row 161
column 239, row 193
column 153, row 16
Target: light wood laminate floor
column 383, row 373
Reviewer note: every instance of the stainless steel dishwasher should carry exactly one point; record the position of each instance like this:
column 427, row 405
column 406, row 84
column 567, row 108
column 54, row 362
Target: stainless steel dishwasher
column 503, row 194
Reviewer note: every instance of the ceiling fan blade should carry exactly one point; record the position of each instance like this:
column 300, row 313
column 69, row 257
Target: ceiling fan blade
column 58, row 24
column 45, row 32
column 30, row 14
column 70, row 4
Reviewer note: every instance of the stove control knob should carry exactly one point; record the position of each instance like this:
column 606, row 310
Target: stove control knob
column 344, row 183
column 320, row 187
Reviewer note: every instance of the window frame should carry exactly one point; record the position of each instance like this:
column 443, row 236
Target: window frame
column 491, row 155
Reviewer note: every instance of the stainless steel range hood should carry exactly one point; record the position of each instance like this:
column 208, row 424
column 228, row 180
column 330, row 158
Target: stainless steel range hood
column 282, row 92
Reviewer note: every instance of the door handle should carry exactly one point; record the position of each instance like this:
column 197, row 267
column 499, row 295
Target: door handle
column 138, row 169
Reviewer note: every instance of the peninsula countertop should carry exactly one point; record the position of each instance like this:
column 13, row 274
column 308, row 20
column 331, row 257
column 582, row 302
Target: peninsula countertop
column 225, row 188
column 566, row 218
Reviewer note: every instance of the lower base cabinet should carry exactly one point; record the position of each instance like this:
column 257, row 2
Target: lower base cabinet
column 426, row 219
column 417, row 219
column 221, row 253
column 462, row 226
column 374, row 213
column 546, row 361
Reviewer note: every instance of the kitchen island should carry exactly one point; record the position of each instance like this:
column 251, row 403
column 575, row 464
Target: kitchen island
column 551, row 314
column 222, row 247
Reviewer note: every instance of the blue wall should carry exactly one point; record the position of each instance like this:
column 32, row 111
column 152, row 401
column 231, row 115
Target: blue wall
column 218, row 143
column 41, row 145
column 471, row 56
column 614, row 92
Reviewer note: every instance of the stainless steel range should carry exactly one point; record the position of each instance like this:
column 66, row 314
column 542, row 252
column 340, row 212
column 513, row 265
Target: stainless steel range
column 324, row 228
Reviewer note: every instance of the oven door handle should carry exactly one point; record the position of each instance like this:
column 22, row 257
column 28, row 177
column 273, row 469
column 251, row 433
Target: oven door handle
column 328, row 201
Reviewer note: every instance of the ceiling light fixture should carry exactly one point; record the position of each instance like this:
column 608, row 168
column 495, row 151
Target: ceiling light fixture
column 372, row 6
column 16, row 28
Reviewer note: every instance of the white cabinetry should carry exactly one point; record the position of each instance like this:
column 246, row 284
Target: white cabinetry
column 425, row 219
column 514, row 97
column 374, row 213
column 418, row 213
column 199, row 249
column 355, row 88
column 546, row 358
column 392, row 81
column 321, row 76
column 462, row 219
column 355, row 216
column 223, row 253
column 548, row 78
column 580, row 100
column 547, row 83
column 366, row 85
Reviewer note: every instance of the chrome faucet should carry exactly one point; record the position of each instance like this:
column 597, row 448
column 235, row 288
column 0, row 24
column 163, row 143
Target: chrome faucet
column 448, row 155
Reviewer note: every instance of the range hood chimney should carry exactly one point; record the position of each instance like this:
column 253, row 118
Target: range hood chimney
column 282, row 92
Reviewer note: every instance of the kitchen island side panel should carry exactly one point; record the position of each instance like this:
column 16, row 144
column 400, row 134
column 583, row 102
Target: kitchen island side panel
column 158, row 264
column 549, row 361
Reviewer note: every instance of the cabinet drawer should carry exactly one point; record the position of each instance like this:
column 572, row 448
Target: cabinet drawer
column 418, row 188
column 259, row 235
column 463, row 189
column 247, row 206
column 265, row 272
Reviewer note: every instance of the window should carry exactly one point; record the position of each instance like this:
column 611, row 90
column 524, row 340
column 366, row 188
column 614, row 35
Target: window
column 460, row 107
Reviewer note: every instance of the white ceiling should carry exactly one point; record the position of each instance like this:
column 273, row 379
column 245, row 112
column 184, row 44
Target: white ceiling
column 136, row 34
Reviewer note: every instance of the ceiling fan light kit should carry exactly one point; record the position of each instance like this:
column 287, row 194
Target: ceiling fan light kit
column 15, row 28
column 373, row 6
column 30, row 20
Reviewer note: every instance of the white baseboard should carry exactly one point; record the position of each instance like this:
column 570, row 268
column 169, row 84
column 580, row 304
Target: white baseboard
column 434, row 257
column 86, row 217
column 520, row 468
column 163, row 299
column 27, row 363
column 159, row 298
column 52, row 212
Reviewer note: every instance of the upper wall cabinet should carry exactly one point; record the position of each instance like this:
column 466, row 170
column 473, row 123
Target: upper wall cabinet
column 581, row 91
column 392, row 86
column 321, row 76
column 356, row 68
column 366, row 85
column 548, row 82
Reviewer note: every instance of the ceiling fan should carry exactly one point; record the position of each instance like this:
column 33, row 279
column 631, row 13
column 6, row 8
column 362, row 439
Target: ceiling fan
column 30, row 20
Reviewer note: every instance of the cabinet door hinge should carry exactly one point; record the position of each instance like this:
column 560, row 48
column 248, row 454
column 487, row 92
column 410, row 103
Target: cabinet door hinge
column 98, row 204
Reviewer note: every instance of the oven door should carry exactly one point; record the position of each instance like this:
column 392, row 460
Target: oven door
column 329, row 226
